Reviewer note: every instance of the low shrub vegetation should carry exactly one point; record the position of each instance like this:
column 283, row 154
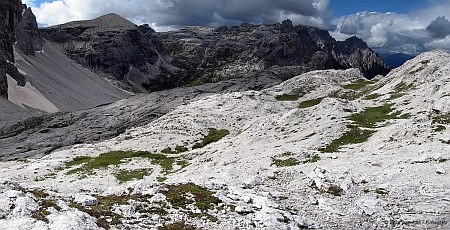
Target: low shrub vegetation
column 129, row 175
column 183, row 194
column 104, row 160
column 288, row 97
column 214, row 135
column 285, row 162
column 354, row 136
column 369, row 117
column 310, row 103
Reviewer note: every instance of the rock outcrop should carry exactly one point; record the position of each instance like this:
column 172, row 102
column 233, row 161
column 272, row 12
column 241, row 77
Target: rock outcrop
column 27, row 33
column 10, row 14
column 19, row 27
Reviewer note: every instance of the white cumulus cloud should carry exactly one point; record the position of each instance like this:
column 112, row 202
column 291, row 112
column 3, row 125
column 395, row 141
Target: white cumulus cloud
column 407, row 33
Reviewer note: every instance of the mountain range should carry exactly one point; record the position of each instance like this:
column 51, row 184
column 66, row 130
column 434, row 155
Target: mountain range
column 108, row 125
column 100, row 58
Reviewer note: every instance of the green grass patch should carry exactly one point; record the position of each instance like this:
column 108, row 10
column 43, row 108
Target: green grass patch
column 128, row 175
column 357, row 85
column 161, row 179
column 183, row 194
column 439, row 128
column 439, row 121
column 311, row 158
column 405, row 116
column 287, row 154
column 369, row 117
column 180, row 225
column 214, row 135
column 113, row 158
column 396, row 95
column 346, row 94
column 310, row 103
column 285, row 162
column 44, row 205
column 288, row 97
column 178, row 149
column 354, row 136
column 423, row 65
column 400, row 90
column 103, row 210
column 78, row 160
column 443, row 119
column 400, row 87
column 372, row 96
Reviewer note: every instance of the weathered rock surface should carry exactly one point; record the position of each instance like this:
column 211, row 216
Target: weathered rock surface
column 41, row 134
column 270, row 170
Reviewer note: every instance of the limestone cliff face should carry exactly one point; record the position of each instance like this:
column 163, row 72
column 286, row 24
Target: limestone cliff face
column 112, row 45
column 10, row 14
column 18, row 25
column 27, row 33
column 145, row 60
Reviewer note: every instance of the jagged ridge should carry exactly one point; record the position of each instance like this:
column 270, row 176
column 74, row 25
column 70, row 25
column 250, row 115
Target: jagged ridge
column 148, row 61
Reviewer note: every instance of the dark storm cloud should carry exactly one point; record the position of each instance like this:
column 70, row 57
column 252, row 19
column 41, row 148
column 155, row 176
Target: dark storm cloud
column 439, row 28
column 179, row 13
column 207, row 12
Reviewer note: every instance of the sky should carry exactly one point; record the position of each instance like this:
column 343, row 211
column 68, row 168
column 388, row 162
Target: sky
column 407, row 26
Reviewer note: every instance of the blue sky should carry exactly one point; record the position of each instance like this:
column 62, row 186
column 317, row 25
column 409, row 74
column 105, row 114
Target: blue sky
column 413, row 26
column 346, row 7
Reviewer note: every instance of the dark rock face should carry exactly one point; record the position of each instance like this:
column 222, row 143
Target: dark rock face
column 27, row 33
column 10, row 13
column 147, row 61
column 354, row 52
column 18, row 24
column 112, row 45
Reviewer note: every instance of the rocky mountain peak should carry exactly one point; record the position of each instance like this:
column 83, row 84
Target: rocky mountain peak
column 354, row 43
column 286, row 26
column 111, row 22
column 28, row 35
column 113, row 19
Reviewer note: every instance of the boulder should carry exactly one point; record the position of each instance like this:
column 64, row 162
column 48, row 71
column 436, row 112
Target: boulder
column 85, row 200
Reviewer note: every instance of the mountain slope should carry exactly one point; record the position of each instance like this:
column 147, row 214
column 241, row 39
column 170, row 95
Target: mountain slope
column 66, row 84
column 36, row 76
column 326, row 149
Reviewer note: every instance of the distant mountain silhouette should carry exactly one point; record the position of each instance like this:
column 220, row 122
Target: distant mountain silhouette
column 394, row 60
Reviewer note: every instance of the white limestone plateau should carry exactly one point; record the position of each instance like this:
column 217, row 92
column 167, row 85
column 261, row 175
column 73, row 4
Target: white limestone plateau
column 396, row 179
